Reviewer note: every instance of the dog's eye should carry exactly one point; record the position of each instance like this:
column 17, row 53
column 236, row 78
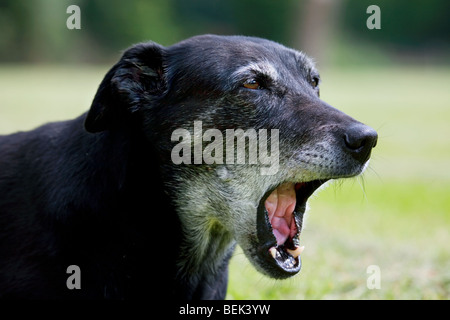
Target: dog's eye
column 315, row 82
column 252, row 84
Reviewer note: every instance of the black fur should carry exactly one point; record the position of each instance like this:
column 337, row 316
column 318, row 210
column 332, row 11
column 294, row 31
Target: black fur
column 69, row 196
column 99, row 191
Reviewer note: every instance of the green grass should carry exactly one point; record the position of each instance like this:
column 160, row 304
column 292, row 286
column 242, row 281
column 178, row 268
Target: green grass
column 396, row 217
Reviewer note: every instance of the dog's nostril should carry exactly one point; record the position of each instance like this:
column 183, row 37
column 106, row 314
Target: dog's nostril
column 359, row 140
column 352, row 142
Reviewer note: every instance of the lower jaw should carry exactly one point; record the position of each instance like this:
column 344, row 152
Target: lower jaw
column 280, row 267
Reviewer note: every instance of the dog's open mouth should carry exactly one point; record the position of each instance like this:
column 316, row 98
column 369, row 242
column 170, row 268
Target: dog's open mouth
column 280, row 218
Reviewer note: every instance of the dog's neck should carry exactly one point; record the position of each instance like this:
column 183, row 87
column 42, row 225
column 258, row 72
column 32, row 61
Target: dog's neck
column 198, row 246
column 205, row 245
column 203, row 259
column 172, row 229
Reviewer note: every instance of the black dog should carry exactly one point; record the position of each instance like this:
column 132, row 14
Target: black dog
column 123, row 193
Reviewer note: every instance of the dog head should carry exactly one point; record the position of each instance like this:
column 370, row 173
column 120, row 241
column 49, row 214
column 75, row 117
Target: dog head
column 196, row 101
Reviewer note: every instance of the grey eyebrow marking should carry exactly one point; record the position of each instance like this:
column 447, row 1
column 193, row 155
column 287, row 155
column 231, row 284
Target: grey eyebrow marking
column 263, row 67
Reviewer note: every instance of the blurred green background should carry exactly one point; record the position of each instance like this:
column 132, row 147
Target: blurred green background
column 396, row 79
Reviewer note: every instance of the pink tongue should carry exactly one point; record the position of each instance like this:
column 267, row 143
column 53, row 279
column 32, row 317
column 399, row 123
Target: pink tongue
column 280, row 205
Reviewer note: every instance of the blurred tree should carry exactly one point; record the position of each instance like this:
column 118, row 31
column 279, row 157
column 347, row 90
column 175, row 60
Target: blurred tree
column 315, row 26
column 117, row 24
column 36, row 30
column 409, row 24
column 261, row 18
column 15, row 25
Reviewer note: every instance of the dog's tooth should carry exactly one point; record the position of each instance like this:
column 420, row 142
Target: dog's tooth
column 295, row 253
column 273, row 252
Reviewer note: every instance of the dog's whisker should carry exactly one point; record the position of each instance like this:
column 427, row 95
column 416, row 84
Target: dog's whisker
column 362, row 184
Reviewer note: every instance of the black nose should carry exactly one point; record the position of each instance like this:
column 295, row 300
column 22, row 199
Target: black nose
column 359, row 141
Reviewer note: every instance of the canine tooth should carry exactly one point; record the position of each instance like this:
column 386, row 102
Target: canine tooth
column 295, row 253
column 273, row 252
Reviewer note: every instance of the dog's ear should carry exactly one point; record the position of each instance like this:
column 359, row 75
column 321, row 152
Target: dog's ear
column 132, row 83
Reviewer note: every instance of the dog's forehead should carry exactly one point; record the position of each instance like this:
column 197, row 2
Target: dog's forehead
column 239, row 55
